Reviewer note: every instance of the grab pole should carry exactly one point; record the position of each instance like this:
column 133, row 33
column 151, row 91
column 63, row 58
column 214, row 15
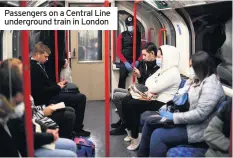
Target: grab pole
column 107, row 90
column 56, row 49
column 27, row 88
column 134, row 34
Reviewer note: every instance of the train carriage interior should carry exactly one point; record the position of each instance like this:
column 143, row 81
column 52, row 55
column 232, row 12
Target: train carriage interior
column 190, row 26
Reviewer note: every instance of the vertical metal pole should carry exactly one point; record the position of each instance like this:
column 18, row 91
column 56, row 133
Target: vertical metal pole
column 27, row 88
column 107, row 90
column 56, row 49
column 67, row 44
column 134, row 35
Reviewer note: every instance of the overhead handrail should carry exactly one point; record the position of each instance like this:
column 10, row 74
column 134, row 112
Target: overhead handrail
column 160, row 37
column 56, row 49
column 149, row 34
column 107, row 90
column 27, row 88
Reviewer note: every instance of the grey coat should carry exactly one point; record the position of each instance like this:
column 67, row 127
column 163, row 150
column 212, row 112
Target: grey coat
column 203, row 99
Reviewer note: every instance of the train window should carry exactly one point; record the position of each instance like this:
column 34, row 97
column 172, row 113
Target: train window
column 1, row 48
column 16, row 44
column 89, row 45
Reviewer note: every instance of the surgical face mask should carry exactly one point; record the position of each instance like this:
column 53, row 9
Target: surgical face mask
column 130, row 28
column 191, row 73
column 159, row 62
column 18, row 111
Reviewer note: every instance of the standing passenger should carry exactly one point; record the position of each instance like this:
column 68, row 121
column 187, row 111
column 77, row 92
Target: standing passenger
column 125, row 51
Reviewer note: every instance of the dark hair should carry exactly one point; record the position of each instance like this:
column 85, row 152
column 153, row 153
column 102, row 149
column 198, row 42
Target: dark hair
column 149, row 47
column 11, row 79
column 203, row 65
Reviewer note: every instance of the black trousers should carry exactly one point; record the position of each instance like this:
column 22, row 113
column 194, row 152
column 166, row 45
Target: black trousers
column 76, row 101
column 66, row 121
column 123, row 75
column 132, row 110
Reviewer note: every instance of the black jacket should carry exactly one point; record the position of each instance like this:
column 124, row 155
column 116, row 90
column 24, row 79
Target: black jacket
column 43, row 89
column 146, row 69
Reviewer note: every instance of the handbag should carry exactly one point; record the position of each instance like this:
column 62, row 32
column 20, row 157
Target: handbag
column 70, row 88
column 139, row 91
column 179, row 103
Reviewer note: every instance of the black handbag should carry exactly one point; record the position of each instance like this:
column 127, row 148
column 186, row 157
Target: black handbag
column 70, row 88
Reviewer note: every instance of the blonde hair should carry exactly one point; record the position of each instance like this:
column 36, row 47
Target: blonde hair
column 41, row 48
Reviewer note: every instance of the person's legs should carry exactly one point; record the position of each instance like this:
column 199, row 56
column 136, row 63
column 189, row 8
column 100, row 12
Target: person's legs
column 78, row 102
column 64, row 148
column 65, row 120
column 123, row 75
column 163, row 138
column 117, row 99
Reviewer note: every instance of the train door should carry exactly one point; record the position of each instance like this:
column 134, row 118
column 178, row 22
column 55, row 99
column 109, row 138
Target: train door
column 88, row 59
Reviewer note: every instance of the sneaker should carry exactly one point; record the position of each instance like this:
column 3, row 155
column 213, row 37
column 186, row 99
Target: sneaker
column 127, row 139
column 134, row 143
column 116, row 125
column 118, row 131
column 83, row 133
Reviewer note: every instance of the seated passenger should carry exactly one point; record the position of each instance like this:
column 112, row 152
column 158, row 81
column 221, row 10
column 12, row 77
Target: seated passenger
column 16, row 128
column 10, row 107
column 217, row 134
column 204, row 95
column 146, row 68
column 64, row 118
column 163, row 84
column 45, row 91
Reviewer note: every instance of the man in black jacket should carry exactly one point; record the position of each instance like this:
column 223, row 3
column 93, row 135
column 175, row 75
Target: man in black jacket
column 45, row 91
column 146, row 68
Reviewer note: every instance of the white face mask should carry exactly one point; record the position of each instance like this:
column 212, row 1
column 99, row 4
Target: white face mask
column 19, row 111
column 191, row 73
column 130, row 28
column 159, row 62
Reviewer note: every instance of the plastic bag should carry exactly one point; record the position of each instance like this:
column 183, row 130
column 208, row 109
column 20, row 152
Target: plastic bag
column 66, row 74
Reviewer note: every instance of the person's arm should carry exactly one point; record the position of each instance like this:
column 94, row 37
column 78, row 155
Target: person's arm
column 119, row 49
column 161, row 83
column 37, row 82
column 206, row 104
column 214, row 136
column 42, row 139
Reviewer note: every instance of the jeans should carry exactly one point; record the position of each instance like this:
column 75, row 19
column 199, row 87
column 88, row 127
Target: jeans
column 156, row 142
column 118, row 96
column 123, row 75
column 64, row 148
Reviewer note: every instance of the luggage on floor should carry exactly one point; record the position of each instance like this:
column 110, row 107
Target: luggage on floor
column 85, row 147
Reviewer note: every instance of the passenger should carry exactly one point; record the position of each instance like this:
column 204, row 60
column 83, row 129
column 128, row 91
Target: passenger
column 10, row 107
column 204, row 96
column 217, row 134
column 125, row 51
column 146, row 68
column 163, row 85
column 63, row 147
column 64, row 118
column 45, row 91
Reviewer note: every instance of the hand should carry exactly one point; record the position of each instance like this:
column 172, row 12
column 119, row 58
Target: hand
column 149, row 96
column 66, row 63
column 48, row 111
column 54, row 132
column 64, row 82
column 136, row 72
column 166, row 114
column 61, row 85
column 128, row 66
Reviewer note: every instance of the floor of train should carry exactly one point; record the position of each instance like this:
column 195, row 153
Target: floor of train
column 94, row 121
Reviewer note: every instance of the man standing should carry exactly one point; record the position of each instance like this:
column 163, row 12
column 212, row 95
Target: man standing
column 125, row 51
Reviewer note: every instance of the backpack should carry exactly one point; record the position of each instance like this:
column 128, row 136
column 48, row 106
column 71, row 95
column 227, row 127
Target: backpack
column 85, row 147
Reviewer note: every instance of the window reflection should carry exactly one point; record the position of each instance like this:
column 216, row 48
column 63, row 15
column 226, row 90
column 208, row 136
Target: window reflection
column 89, row 45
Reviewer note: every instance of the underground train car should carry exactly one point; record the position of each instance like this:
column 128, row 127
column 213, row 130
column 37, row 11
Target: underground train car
column 158, row 86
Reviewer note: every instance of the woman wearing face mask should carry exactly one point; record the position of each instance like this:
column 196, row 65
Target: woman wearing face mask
column 63, row 147
column 162, row 85
column 11, row 107
column 146, row 68
column 205, row 94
